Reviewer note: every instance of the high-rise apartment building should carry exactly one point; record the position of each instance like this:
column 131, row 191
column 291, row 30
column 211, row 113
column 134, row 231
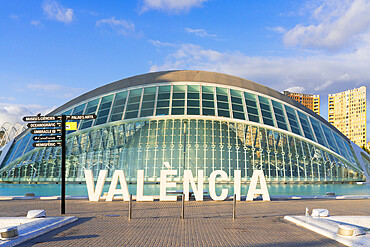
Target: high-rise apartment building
column 308, row 100
column 347, row 112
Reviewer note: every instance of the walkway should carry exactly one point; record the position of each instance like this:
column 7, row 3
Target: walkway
column 207, row 223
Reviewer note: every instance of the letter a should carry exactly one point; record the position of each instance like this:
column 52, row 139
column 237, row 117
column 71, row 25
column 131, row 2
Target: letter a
column 118, row 175
column 253, row 186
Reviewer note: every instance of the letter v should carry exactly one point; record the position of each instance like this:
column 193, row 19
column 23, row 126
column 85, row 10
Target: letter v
column 94, row 194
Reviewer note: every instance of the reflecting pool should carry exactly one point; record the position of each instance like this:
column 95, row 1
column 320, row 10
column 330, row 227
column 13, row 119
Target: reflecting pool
column 153, row 189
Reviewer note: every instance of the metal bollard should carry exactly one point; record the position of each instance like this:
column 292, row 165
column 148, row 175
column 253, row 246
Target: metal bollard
column 182, row 206
column 234, row 207
column 130, row 208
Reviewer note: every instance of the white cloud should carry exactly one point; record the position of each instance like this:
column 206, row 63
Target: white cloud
column 170, row 6
column 122, row 27
column 277, row 29
column 54, row 90
column 338, row 25
column 160, row 43
column 199, row 32
column 55, row 11
column 13, row 113
column 7, row 98
column 295, row 89
column 320, row 74
column 35, row 23
column 14, row 17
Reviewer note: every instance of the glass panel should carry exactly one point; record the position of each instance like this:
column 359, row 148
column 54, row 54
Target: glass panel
column 164, row 96
column 22, row 146
column 292, row 117
column 330, row 139
column 177, row 111
column 251, row 105
column 266, row 111
column 223, row 113
column 193, row 100
column 207, row 96
column 164, row 89
column 150, row 90
column 179, row 88
column 132, row 114
column 223, row 105
column 10, row 154
column 279, row 115
column 193, row 95
column 193, row 88
column 133, row 107
column 349, row 150
column 193, row 111
column 305, row 126
column 136, row 92
column 78, row 110
column 147, row 106
column 236, row 93
column 176, row 103
column 340, row 144
column 163, row 103
column 90, row 109
column 318, row 132
column 237, row 104
column 222, row 102
column 207, row 89
column 133, row 104
column 67, row 113
column 194, row 103
column 146, row 113
column 162, row 111
column 149, row 97
column 208, row 112
column 103, row 111
column 208, row 104
column 221, row 90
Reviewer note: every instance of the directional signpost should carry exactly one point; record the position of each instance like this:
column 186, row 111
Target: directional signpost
column 44, row 125
column 59, row 138
column 47, row 138
column 46, row 131
column 47, row 144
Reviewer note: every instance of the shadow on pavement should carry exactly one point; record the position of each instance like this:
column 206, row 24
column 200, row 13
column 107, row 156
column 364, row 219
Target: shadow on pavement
column 64, row 232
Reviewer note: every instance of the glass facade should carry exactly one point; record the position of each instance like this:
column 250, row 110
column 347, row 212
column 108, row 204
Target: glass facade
column 226, row 128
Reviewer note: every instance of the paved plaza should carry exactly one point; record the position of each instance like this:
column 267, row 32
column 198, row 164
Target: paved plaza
column 207, row 223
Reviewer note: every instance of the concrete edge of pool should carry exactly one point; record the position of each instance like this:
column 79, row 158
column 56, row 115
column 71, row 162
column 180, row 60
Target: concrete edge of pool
column 36, row 228
column 328, row 227
column 276, row 198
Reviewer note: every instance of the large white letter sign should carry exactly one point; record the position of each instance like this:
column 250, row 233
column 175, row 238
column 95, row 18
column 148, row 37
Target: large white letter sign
column 253, row 186
column 140, row 188
column 118, row 175
column 237, row 185
column 94, row 194
column 212, row 185
column 164, row 184
column 188, row 178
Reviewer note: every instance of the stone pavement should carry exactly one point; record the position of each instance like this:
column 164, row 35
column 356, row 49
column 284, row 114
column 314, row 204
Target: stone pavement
column 207, row 223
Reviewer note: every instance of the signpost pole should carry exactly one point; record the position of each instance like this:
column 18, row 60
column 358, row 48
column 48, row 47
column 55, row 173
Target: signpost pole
column 63, row 168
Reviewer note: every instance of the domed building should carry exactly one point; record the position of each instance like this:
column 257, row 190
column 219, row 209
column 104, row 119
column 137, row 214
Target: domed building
column 190, row 120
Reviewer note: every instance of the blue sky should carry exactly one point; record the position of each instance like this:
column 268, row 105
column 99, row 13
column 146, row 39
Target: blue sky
column 52, row 51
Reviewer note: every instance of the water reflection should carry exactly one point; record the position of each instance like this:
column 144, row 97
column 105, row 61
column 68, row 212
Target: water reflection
column 153, row 189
